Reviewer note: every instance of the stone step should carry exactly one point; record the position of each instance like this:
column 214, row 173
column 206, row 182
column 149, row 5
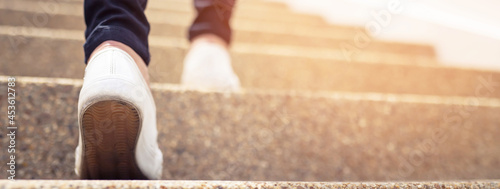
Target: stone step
column 275, row 135
column 60, row 54
column 32, row 184
column 279, row 11
column 158, row 16
column 158, row 8
column 368, row 55
column 174, row 24
column 265, row 5
column 171, row 23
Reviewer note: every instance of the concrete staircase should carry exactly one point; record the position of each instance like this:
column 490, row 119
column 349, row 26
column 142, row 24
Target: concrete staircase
column 239, row 184
column 309, row 111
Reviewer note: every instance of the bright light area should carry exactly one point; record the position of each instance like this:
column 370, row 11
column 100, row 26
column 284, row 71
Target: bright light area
column 464, row 33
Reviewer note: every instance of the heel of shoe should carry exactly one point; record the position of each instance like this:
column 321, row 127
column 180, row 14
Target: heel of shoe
column 110, row 130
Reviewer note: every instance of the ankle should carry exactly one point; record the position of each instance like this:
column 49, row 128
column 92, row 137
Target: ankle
column 210, row 38
column 137, row 59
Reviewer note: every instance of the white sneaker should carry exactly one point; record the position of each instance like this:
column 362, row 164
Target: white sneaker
column 117, row 121
column 207, row 66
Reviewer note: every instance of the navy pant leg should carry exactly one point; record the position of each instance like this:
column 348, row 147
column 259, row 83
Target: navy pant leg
column 213, row 17
column 119, row 20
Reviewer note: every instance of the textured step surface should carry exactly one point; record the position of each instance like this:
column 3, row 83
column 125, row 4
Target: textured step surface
column 31, row 12
column 20, row 35
column 249, row 24
column 258, row 135
column 63, row 57
column 157, row 9
column 244, row 33
column 28, row 184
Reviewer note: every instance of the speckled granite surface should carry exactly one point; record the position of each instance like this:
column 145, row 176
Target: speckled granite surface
column 271, row 136
column 22, row 184
column 264, row 71
column 282, row 37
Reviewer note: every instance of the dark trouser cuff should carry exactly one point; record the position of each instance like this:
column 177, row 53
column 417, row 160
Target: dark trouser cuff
column 213, row 17
column 116, row 33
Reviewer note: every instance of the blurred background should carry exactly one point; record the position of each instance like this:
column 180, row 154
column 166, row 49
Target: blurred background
column 463, row 33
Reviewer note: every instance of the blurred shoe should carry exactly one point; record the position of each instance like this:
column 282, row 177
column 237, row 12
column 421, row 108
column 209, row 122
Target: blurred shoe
column 207, row 66
column 117, row 121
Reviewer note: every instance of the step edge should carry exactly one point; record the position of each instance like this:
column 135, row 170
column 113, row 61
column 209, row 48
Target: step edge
column 223, row 184
column 245, row 48
column 332, row 95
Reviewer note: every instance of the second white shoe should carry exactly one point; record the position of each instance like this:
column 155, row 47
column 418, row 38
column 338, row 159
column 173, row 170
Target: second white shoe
column 117, row 121
column 207, row 66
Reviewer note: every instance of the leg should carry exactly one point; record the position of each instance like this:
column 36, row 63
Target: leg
column 120, row 24
column 208, row 64
column 213, row 18
column 116, row 111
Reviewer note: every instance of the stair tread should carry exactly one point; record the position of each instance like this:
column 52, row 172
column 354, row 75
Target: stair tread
column 266, row 135
column 244, row 184
column 177, row 16
column 174, row 23
column 157, row 9
column 333, row 95
column 181, row 20
column 257, row 70
column 340, row 54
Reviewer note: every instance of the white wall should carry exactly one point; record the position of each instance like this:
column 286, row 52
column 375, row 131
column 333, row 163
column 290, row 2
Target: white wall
column 465, row 33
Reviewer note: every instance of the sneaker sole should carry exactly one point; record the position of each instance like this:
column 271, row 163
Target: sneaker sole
column 110, row 130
